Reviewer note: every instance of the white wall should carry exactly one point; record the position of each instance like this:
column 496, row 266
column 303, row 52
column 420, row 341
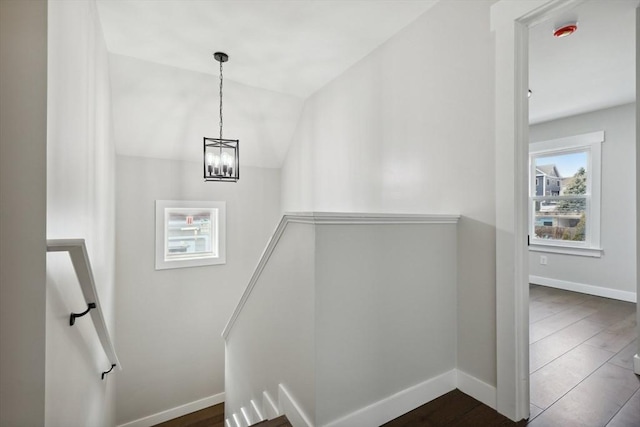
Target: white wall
column 180, row 105
column 385, row 313
column 615, row 270
column 23, row 98
column 80, row 204
column 169, row 322
column 410, row 129
column 273, row 339
column 357, row 320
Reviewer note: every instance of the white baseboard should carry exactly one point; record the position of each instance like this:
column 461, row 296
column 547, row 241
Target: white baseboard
column 248, row 419
column 256, row 411
column 176, row 412
column 269, row 408
column 399, row 403
column 598, row 291
column 477, row 389
column 291, row 409
column 379, row 412
column 238, row 421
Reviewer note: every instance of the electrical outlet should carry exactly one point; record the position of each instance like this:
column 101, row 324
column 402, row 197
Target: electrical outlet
column 543, row 260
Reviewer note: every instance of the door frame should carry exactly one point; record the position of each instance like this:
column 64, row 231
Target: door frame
column 510, row 22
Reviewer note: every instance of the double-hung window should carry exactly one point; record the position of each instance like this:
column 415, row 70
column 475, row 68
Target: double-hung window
column 564, row 195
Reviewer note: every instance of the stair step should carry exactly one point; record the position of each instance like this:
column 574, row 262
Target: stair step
column 281, row 421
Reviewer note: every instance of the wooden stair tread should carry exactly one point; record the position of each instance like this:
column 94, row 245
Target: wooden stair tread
column 281, row 421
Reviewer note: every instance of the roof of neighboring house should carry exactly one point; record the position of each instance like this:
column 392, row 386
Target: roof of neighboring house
column 549, row 170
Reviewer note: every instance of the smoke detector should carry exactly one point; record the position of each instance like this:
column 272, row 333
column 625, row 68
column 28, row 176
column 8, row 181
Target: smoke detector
column 565, row 30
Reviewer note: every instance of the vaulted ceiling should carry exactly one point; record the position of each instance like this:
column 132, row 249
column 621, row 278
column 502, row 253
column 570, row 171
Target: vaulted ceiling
column 164, row 77
column 165, row 80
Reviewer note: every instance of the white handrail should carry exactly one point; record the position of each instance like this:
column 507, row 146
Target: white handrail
column 80, row 259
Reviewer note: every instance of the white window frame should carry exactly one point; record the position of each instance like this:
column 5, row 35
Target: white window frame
column 218, row 227
column 592, row 144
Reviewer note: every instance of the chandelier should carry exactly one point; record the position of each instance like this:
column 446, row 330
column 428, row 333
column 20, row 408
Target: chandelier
column 221, row 156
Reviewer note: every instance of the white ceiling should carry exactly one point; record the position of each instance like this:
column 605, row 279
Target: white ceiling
column 292, row 47
column 164, row 78
column 593, row 68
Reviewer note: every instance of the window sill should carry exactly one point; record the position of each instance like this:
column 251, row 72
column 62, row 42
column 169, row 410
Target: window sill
column 567, row 250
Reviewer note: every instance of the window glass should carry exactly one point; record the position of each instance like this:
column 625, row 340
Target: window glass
column 562, row 218
column 190, row 233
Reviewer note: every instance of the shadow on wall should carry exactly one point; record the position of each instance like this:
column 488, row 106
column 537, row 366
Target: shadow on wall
column 477, row 298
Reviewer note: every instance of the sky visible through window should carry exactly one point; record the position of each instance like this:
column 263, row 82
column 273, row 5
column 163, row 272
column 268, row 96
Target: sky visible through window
column 567, row 164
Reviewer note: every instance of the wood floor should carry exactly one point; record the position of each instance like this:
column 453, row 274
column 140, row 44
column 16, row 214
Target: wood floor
column 213, row 416
column 454, row 409
column 581, row 360
column 581, row 364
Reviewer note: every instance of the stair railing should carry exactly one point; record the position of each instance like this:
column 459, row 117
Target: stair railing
column 80, row 260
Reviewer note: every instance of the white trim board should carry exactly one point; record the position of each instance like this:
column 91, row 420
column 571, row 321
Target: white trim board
column 176, row 412
column 288, row 406
column 476, row 388
column 269, row 408
column 509, row 22
column 375, row 414
column 598, row 291
column 370, row 218
column 399, row 403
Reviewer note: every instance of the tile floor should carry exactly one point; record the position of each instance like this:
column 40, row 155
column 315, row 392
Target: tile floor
column 581, row 360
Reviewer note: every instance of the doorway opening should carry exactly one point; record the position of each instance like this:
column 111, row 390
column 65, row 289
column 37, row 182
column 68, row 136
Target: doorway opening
column 511, row 22
column 582, row 214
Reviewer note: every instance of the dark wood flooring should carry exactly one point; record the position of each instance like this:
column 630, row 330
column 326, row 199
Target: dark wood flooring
column 581, row 360
column 454, row 409
column 581, row 365
column 213, row 416
column 276, row 422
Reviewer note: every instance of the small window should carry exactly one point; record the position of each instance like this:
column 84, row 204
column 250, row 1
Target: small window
column 568, row 216
column 189, row 233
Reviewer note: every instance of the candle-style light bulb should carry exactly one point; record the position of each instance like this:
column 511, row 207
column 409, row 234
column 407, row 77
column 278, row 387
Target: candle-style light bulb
column 215, row 160
column 210, row 163
column 227, row 163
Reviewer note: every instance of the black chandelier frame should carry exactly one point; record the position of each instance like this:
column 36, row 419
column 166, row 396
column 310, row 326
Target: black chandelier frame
column 221, row 145
column 217, row 167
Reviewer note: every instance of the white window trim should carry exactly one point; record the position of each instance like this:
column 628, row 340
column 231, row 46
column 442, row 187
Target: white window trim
column 197, row 260
column 591, row 142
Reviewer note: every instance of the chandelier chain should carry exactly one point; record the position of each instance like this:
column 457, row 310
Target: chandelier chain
column 220, row 99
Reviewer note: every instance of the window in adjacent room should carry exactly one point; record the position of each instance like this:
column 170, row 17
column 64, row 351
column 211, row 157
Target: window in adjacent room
column 189, row 233
column 565, row 213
